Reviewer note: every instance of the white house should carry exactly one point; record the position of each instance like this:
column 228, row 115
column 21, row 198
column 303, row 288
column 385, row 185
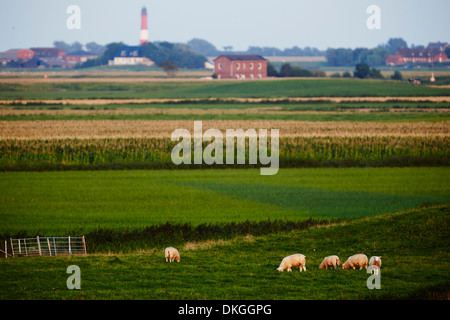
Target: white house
column 128, row 56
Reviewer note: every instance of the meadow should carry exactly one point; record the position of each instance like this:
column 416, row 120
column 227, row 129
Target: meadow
column 211, row 89
column 109, row 207
column 413, row 245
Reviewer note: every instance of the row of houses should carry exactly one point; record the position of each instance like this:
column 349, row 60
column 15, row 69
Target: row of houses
column 433, row 53
column 225, row 66
column 51, row 57
column 44, row 57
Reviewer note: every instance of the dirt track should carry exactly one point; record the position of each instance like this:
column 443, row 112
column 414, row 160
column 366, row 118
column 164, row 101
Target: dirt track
column 239, row 100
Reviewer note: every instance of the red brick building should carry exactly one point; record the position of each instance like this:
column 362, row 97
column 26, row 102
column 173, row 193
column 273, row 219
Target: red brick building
column 15, row 54
column 49, row 52
column 434, row 53
column 25, row 54
column 78, row 57
column 240, row 67
column 54, row 57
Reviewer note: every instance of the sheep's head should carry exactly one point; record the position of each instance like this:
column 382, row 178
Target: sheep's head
column 178, row 259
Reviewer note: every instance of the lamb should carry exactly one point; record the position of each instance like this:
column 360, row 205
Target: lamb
column 171, row 254
column 330, row 261
column 375, row 263
column 295, row 260
column 356, row 260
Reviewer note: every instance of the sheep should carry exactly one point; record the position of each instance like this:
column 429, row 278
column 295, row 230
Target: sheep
column 356, row 260
column 375, row 263
column 295, row 260
column 330, row 261
column 171, row 254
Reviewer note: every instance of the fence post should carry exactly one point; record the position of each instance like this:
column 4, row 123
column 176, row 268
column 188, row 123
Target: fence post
column 39, row 245
column 12, row 246
column 84, row 245
column 70, row 249
column 20, row 249
column 6, row 249
column 49, row 248
column 54, row 246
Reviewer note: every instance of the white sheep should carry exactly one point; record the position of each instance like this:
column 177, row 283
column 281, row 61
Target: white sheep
column 375, row 262
column 330, row 261
column 171, row 254
column 295, row 260
column 356, row 260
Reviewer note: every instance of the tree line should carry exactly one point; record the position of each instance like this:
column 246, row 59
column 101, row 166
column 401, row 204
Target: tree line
column 336, row 57
column 208, row 49
column 161, row 53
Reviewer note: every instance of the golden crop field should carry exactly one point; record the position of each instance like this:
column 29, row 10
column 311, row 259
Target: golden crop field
column 102, row 129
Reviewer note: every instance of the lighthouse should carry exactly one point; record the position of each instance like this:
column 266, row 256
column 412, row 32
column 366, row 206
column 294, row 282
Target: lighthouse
column 144, row 30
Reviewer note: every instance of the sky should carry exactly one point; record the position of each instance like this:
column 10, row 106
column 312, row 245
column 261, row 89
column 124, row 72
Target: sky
column 282, row 24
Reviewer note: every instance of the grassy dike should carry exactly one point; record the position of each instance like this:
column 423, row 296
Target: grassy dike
column 413, row 244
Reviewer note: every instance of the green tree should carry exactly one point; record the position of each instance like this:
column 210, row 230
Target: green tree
column 346, row 74
column 271, row 70
column 203, row 47
column 301, row 72
column 154, row 53
column 108, row 54
column 377, row 57
column 169, row 67
column 395, row 43
column 362, row 70
column 375, row 74
column 397, row 75
column 94, row 47
column 285, row 70
column 339, row 57
column 447, row 52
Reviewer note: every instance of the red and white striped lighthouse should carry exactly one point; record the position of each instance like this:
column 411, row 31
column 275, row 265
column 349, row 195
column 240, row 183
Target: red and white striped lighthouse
column 144, row 30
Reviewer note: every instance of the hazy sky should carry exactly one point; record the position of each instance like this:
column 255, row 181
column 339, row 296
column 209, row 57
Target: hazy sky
column 238, row 23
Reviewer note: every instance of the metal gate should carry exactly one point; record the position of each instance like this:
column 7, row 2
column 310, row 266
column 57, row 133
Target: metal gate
column 45, row 246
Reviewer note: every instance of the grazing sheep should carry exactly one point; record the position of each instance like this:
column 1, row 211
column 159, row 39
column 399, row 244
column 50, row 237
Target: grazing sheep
column 330, row 261
column 375, row 261
column 171, row 254
column 295, row 260
column 356, row 260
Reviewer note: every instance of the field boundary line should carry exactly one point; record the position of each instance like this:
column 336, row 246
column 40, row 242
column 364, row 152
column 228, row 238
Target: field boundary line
column 218, row 100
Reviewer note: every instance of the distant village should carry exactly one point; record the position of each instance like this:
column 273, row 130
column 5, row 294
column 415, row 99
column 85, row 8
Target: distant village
column 56, row 57
column 53, row 57
column 42, row 58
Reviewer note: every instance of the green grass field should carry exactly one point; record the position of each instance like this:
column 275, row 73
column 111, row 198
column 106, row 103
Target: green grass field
column 56, row 203
column 413, row 245
column 217, row 89
column 369, row 116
